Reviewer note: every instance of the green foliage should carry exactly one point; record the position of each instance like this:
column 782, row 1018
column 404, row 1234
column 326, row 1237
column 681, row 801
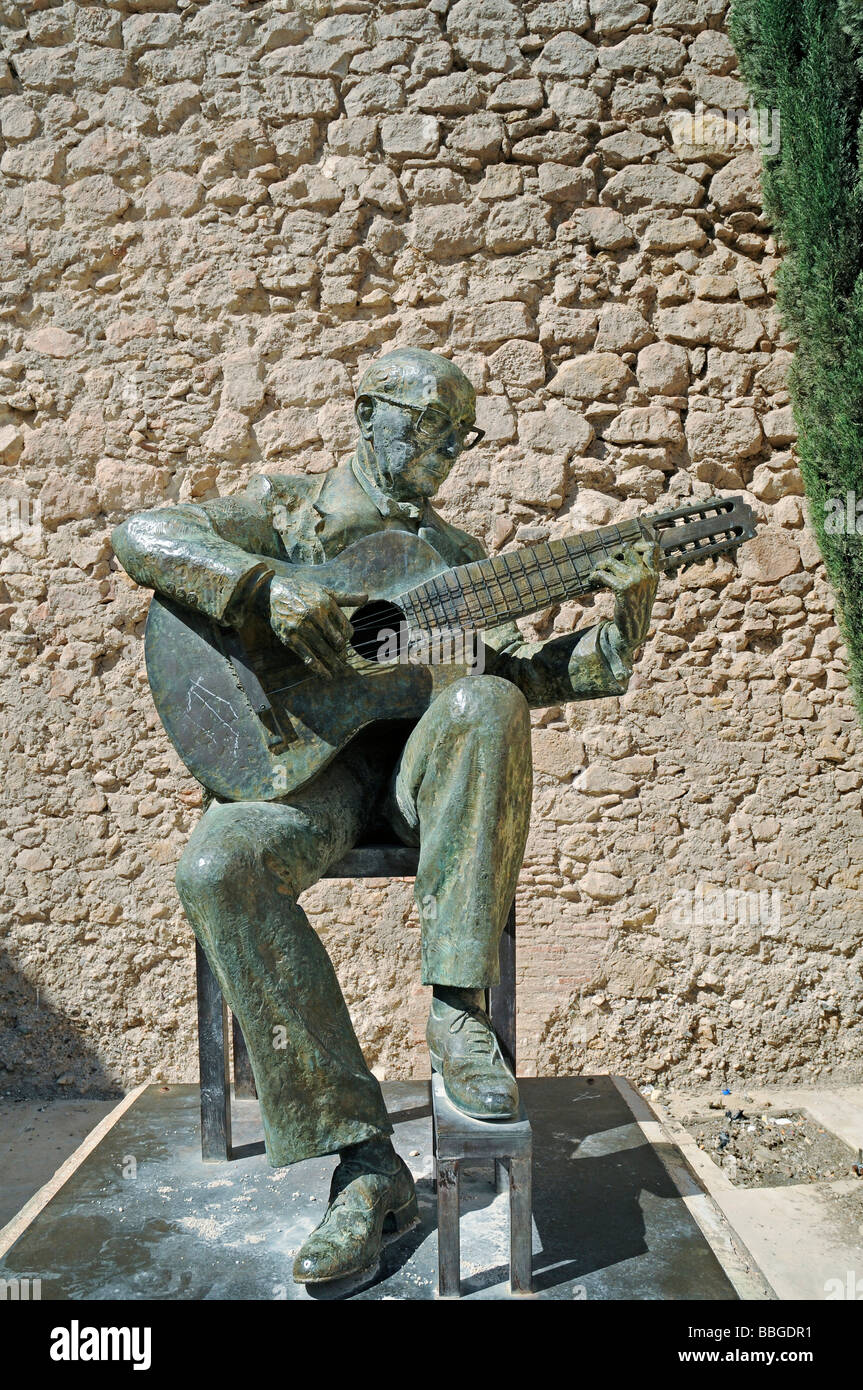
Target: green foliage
column 804, row 58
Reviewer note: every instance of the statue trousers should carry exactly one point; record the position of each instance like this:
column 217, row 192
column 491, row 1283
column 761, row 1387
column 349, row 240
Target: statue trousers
column 459, row 787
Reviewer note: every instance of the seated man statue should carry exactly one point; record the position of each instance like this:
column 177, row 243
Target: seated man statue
column 457, row 784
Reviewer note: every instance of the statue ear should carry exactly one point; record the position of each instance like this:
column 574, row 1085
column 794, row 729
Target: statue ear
column 364, row 409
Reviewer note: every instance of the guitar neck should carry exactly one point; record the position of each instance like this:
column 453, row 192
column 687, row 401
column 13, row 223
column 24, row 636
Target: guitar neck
column 512, row 585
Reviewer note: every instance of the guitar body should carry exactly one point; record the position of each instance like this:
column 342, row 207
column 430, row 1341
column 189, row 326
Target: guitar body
column 252, row 724
column 228, row 738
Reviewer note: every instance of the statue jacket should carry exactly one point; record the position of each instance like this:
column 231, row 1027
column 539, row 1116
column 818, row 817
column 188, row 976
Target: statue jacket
column 212, row 555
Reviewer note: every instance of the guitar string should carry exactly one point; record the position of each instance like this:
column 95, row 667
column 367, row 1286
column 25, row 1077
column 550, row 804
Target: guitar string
column 422, row 596
column 426, row 601
column 723, row 538
column 371, row 668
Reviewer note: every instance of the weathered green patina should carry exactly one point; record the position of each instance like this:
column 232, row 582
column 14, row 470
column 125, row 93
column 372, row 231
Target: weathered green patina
column 456, row 781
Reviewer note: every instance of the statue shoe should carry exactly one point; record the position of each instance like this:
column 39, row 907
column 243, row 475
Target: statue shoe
column 366, row 1205
column 466, row 1052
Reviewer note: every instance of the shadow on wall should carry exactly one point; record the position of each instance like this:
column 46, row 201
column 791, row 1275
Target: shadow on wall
column 33, row 1034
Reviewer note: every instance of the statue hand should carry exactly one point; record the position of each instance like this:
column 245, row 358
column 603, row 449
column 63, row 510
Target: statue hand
column 633, row 574
column 308, row 619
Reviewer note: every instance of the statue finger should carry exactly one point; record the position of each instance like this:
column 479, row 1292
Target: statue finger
column 618, row 568
column 649, row 551
column 599, row 573
column 307, row 656
column 336, row 633
column 348, row 600
column 604, row 569
column 339, row 624
column 326, row 652
column 611, row 580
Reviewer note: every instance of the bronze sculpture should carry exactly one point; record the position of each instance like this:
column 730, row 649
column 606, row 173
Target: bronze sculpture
column 451, row 774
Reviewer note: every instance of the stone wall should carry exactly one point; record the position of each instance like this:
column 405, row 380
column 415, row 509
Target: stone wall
column 213, row 217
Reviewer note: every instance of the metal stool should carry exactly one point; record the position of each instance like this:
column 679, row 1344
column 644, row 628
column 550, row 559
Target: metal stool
column 217, row 1029
column 456, row 1137
column 459, row 1139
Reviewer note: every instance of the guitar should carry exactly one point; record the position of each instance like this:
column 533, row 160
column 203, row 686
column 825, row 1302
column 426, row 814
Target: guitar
column 250, row 722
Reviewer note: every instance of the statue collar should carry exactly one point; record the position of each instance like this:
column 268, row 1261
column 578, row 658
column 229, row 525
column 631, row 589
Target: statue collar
column 387, row 506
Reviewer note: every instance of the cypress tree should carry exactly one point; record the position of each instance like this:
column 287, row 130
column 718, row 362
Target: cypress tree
column 804, row 58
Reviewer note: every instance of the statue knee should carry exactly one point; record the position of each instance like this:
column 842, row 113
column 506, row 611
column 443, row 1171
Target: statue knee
column 243, row 857
column 203, row 874
column 487, row 702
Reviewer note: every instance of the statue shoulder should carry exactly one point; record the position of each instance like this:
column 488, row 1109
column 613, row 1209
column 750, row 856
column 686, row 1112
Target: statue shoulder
column 289, row 489
column 290, row 502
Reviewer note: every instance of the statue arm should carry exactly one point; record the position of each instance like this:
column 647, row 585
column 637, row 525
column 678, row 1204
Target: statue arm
column 582, row 665
column 210, row 556
column 594, row 662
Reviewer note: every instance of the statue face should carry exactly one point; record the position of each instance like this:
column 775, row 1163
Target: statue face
column 410, row 451
column 416, row 426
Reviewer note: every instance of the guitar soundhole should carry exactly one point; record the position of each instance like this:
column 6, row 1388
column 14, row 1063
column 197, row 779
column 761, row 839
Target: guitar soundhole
column 380, row 632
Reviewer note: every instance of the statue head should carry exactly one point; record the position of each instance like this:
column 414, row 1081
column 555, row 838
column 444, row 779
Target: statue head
column 415, row 411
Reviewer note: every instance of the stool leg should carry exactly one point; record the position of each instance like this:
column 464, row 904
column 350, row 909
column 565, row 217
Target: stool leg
column 502, row 996
column 434, row 1148
column 448, row 1246
column 213, row 1061
column 520, row 1225
column 501, row 1175
column 244, row 1081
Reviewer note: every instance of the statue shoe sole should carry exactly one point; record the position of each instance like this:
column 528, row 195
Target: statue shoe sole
column 438, row 1065
column 396, row 1223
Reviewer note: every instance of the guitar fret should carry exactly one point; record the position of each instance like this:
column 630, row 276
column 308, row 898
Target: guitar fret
column 520, row 592
column 552, row 564
column 464, row 602
column 460, row 599
column 561, row 577
column 426, row 607
column 576, row 553
column 517, row 558
column 513, row 576
column 448, row 590
column 477, row 610
column 581, row 562
column 539, row 598
column 519, row 582
column 499, row 567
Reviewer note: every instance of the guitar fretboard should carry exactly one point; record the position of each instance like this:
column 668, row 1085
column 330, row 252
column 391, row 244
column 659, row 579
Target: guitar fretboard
column 491, row 591
column 502, row 587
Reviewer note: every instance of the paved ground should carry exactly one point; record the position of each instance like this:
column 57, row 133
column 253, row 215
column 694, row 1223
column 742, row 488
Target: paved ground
column 142, row 1217
column 806, row 1240
column 36, row 1136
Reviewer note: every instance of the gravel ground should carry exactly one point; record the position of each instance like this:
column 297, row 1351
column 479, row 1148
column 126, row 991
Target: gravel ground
column 756, row 1148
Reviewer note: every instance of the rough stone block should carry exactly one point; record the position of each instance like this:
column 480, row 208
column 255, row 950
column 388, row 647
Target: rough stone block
column 591, row 375
column 408, row 135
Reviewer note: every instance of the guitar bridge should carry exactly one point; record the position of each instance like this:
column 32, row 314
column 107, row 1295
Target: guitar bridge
column 277, row 737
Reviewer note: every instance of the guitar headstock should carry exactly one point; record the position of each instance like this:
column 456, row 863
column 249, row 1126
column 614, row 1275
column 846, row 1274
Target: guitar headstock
column 695, row 532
